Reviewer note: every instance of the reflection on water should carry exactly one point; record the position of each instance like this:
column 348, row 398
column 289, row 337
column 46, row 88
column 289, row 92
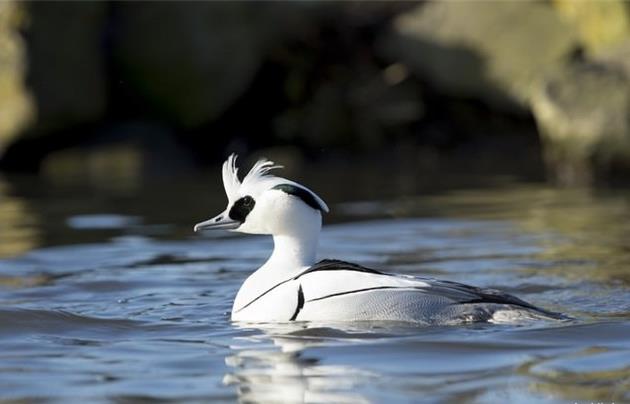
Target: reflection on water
column 18, row 225
column 359, row 362
column 593, row 226
column 594, row 374
column 284, row 372
column 588, row 230
column 108, row 296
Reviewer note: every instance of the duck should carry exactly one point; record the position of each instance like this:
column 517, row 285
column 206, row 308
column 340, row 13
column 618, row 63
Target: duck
column 292, row 285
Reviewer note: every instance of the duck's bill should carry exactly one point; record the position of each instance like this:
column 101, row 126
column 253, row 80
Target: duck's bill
column 221, row 222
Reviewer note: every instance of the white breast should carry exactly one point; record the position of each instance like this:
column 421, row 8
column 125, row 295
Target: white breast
column 278, row 304
column 330, row 295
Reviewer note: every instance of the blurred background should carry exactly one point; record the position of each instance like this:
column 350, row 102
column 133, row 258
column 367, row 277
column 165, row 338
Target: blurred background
column 131, row 106
column 153, row 87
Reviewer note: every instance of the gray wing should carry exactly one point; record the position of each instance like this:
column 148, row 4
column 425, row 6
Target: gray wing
column 456, row 293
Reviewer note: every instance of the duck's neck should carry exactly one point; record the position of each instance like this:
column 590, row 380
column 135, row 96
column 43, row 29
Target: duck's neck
column 295, row 246
column 292, row 253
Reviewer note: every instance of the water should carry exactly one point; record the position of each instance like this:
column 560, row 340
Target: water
column 107, row 296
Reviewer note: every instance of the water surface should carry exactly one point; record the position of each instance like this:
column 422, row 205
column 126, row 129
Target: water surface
column 107, row 296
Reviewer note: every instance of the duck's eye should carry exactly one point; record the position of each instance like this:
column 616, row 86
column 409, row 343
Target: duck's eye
column 241, row 208
column 248, row 201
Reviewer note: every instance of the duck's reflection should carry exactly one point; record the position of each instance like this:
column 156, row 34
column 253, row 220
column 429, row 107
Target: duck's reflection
column 284, row 371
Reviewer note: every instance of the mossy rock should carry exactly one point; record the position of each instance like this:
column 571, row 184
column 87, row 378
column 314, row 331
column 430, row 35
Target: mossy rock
column 15, row 102
column 582, row 110
column 600, row 24
column 493, row 51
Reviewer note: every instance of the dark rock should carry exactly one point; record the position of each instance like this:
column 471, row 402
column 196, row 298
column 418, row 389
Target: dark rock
column 66, row 70
column 582, row 110
column 189, row 61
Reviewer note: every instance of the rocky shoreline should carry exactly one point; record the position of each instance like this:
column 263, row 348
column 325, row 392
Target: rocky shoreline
column 187, row 81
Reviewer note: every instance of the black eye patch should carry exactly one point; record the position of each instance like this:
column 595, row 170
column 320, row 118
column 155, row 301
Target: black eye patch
column 301, row 193
column 241, row 208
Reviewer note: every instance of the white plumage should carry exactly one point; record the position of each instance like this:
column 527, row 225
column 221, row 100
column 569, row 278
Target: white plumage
column 292, row 286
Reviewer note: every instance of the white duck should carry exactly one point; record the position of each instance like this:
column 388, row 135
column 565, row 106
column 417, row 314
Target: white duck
column 293, row 286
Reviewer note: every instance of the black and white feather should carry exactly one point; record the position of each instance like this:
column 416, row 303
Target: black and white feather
column 338, row 291
column 293, row 286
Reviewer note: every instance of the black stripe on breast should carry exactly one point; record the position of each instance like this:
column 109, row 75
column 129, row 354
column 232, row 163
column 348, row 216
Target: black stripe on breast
column 300, row 304
column 323, row 265
column 262, row 294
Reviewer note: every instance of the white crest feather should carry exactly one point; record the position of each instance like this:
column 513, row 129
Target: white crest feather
column 258, row 171
column 231, row 183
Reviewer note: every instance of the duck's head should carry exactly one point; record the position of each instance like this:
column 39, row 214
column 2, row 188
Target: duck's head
column 265, row 204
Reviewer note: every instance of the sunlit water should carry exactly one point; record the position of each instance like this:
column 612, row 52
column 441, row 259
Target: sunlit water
column 112, row 298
